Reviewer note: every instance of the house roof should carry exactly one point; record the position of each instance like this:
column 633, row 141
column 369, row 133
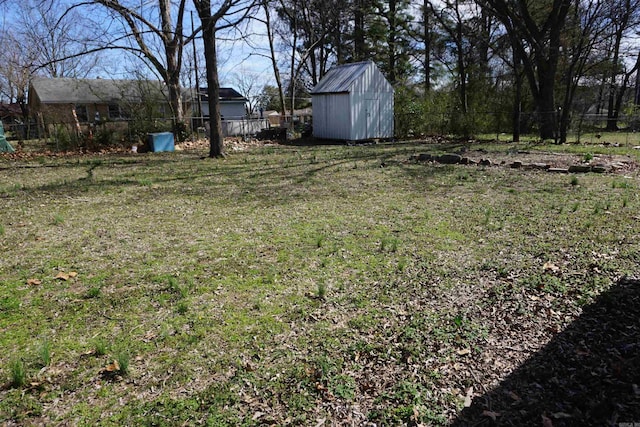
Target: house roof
column 226, row 94
column 340, row 77
column 89, row 91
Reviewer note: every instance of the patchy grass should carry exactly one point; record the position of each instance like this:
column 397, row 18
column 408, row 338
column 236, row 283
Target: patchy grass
column 287, row 285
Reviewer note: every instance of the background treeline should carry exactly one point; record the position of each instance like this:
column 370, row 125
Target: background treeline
column 463, row 67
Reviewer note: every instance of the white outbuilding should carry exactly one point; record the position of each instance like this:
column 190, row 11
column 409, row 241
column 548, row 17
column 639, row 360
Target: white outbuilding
column 353, row 102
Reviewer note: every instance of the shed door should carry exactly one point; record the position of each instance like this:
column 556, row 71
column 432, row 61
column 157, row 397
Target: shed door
column 373, row 118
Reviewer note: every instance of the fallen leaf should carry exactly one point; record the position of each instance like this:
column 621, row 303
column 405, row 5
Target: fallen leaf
column 464, row 352
column 73, row 274
column 514, row 396
column 468, row 397
column 549, row 266
column 33, row 282
column 560, row 415
column 112, row 367
column 62, row 276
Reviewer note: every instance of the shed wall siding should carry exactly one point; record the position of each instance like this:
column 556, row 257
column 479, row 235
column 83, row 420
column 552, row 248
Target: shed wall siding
column 366, row 112
column 372, row 115
column 331, row 116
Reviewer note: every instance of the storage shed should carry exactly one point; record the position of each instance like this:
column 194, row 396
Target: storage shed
column 353, row 102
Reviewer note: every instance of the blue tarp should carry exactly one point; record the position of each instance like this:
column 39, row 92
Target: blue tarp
column 161, row 141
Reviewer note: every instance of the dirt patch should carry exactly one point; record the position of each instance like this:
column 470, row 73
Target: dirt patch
column 558, row 162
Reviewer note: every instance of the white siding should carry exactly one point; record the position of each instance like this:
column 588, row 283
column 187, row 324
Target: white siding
column 228, row 110
column 365, row 112
column 331, row 116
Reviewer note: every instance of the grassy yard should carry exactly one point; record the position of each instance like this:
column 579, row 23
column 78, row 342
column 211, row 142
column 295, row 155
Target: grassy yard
column 284, row 285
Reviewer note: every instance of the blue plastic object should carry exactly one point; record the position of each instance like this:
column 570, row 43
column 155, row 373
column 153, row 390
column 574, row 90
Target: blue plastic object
column 161, row 141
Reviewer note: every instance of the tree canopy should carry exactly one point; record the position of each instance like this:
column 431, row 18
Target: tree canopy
column 475, row 64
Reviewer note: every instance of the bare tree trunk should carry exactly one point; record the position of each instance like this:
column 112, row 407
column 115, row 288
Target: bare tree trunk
column 517, row 102
column 636, row 98
column 228, row 14
column 292, row 78
column 274, row 63
column 216, row 138
column 427, row 47
column 173, row 53
column 359, row 51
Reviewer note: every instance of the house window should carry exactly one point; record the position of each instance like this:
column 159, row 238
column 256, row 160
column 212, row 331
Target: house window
column 116, row 112
column 82, row 114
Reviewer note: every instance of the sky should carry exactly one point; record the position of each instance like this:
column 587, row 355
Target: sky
column 237, row 60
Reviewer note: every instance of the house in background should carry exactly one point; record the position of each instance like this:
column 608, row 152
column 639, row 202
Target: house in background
column 353, row 102
column 68, row 100
column 233, row 106
column 233, row 113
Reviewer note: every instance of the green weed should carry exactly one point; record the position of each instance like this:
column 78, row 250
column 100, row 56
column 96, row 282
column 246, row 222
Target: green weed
column 93, row 292
column 389, row 244
column 174, row 287
column 58, row 219
column 123, row 357
column 18, row 375
column 100, row 347
column 9, row 303
column 44, row 352
column 182, row 307
column 321, row 291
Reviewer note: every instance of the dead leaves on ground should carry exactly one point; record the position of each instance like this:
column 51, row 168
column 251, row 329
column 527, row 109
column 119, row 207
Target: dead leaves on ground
column 61, row 276
column 66, row 276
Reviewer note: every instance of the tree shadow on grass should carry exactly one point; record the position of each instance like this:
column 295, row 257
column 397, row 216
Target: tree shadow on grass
column 588, row 375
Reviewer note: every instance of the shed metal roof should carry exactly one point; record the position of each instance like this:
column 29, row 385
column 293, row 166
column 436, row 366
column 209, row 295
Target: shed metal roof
column 340, row 78
column 80, row 91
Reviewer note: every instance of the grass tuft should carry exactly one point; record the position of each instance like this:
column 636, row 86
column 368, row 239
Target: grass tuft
column 123, row 357
column 321, row 291
column 100, row 347
column 389, row 244
column 44, row 352
column 58, row 219
column 93, row 292
column 18, row 375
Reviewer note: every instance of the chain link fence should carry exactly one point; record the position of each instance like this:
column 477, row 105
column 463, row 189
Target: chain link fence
column 582, row 128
